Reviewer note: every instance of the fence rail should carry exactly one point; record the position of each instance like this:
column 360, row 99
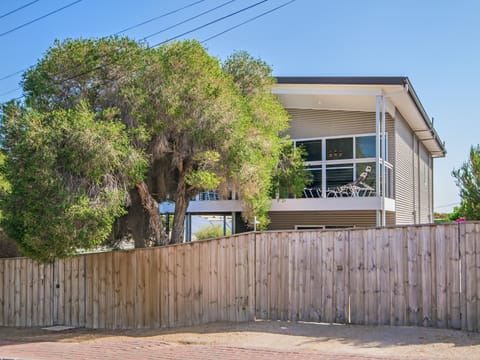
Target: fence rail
column 415, row 275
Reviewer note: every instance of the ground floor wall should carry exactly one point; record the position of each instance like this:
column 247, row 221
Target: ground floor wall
column 233, row 223
column 286, row 220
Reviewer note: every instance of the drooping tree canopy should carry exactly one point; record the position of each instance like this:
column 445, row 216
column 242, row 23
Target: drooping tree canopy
column 69, row 172
column 190, row 123
column 468, row 180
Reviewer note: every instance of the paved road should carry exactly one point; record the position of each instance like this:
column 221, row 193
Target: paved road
column 252, row 341
column 151, row 349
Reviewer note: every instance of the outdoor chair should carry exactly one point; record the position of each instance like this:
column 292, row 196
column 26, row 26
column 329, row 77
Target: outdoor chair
column 312, row 193
column 355, row 188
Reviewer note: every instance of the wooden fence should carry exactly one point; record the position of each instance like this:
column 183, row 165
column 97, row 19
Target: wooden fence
column 415, row 275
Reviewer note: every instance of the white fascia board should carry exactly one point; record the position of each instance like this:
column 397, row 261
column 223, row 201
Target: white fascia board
column 214, row 206
column 327, row 204
column 323, row 91
column 204, row 206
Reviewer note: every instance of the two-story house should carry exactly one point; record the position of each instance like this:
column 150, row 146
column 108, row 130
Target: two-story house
column 370, row 148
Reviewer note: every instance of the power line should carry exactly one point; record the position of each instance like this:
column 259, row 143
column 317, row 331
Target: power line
column 247, row 21
column 200, row 27
column 10, row 91
column 211, row 22
column 13, row 74
column 131, row 27
column 190, row 31
column 18, row 9
column 39, row 18
column 447, row 205
column 187, row 20
column 158, row 17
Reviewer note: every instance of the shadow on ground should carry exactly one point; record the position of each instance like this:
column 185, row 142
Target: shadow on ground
column 297, row 334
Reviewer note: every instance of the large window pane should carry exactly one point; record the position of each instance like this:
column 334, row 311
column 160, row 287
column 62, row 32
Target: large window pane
column 369, row 169
column 339, row 175
column 211, row 226
column 365, row 146
column 313, row 149
column 314, row 190
column 338, row 149
column 316, row 177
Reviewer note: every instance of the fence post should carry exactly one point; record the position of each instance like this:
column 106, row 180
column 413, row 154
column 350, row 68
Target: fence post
column 252, row 275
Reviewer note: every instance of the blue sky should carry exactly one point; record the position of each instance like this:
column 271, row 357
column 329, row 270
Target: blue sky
column 433, row 42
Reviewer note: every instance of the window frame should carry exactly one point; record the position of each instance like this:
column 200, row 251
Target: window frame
column 323, row 163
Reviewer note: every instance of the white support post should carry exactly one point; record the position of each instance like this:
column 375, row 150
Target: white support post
column 383, row 155
column 377, row 152
column 324, row 168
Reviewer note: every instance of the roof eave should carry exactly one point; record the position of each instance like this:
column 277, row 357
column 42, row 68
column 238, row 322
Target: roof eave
column 372, row 81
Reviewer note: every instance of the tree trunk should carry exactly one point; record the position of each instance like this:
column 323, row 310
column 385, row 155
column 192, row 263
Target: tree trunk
column 181, row 205
column 155, row 225
column 143, row 221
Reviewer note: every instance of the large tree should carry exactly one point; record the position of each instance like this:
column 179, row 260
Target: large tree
column 100, row 73
column 69, row 172
column 8, row 246
column 219, row 127
column 201, row 124
column 262, row 160
column 191, row 104
column 468, row 180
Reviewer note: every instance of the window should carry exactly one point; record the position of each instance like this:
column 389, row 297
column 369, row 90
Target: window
column 313, row 149
column 314, row 189
column 365, row 146
column 316, row 177
column 338, row 149
column 371, row 174
column 338, row 175
column 338, row 161
column 309, row 227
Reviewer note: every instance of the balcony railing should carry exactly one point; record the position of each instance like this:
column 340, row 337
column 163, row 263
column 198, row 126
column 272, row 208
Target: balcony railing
column 212, row 196
column 339, row 191
column 208, row 196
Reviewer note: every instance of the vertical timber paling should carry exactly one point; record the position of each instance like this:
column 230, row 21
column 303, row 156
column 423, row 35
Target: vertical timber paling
column 425, row 275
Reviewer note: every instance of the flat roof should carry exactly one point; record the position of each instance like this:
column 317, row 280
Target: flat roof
column 369, row 81
column 347, row 80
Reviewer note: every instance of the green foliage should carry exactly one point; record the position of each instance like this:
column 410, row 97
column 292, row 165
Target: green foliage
column 290, row 175
column 256, row 150
column 440, row 218
column 4, row 184
column 457, row 213
column 97, row 72
column 204, row 125
column 8, row 248
column 468, row 180
column 211, row 232
column 189, row 104
column 69, row 171
column 78, row 70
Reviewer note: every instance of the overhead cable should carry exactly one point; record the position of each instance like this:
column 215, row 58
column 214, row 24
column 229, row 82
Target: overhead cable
column 119, row 32
column 18, row 9
column 159, row 17
column 210, row 23
column 13, row 74
column 10, row 91
column 187, row 20
column 247, row 21
column 39, row 18
column 185, row 33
